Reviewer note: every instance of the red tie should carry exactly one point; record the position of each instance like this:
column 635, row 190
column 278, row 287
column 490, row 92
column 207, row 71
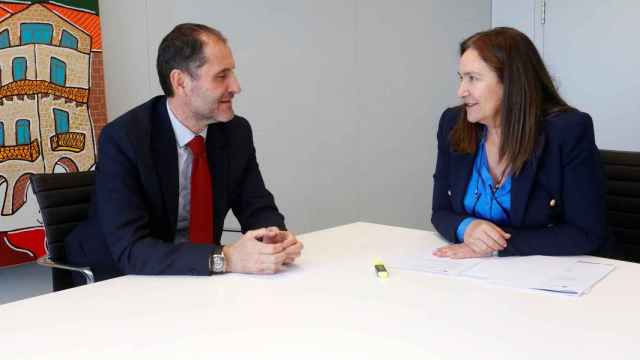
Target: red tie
column 201, row 213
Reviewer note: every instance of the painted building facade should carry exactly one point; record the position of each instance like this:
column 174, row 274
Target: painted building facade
column 48, row 115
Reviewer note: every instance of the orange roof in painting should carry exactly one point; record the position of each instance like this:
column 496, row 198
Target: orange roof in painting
column 3, row 13
column 13, row 7
column 86, row 21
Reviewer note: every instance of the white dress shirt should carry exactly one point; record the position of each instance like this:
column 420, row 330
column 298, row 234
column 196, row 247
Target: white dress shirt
column 185, row 161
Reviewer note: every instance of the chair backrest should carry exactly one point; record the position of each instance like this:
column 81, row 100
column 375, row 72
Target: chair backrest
column 622, row 170
column 64, row 201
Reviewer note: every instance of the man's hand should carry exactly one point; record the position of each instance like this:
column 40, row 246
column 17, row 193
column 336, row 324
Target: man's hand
column 484, row 237
column 292, row 246
column 248, row 255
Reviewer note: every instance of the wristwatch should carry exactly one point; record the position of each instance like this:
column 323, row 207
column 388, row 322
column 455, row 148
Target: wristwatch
column 216, row 263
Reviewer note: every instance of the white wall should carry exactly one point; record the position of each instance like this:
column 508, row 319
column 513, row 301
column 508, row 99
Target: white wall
column 344, row 96
column 589, row 48
column 524, row 15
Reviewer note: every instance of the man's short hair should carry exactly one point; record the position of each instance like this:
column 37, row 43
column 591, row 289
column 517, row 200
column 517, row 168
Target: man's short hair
column 182, row 49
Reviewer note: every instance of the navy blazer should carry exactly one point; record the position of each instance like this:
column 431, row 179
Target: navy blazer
column 557, row 200
column 133, row 215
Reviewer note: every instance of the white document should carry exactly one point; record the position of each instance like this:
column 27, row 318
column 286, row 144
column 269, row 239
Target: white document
column 566, row 275
column 563, row 275
column 433, row 264
column 577, row 279
column 521, row 271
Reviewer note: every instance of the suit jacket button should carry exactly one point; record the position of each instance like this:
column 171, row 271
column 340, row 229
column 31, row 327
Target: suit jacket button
column 552, row 203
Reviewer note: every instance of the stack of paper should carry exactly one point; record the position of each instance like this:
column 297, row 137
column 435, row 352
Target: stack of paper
column 435, row 265
column 568, row 275
column 564, row 275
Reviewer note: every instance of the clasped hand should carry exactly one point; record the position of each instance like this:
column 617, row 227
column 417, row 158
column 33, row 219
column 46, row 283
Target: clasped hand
column 262, row 251
column 481, row 238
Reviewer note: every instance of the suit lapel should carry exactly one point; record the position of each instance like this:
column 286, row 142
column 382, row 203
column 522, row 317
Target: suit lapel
column 165, row 158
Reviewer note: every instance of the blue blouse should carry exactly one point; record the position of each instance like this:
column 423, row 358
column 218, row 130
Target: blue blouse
column 482, row 199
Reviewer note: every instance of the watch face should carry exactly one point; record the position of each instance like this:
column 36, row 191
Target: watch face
column 218, row 263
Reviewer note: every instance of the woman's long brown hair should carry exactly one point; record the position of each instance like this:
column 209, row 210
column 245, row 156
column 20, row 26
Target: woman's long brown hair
column 529, row 95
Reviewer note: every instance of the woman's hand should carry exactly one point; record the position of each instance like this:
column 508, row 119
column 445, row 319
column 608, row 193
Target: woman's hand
column 484, row 237
column 457, row 251
column 481, row 238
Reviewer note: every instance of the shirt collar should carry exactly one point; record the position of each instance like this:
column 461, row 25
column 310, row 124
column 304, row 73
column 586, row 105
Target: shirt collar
column 182, row 133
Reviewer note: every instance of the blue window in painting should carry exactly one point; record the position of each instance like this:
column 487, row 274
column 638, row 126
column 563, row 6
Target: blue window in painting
column 23, row 132
column 62, row 121
column 19, row 66
column 69, row 41
column 36, row 33
column 1, row 133
column 4, row 39
column 58, row 71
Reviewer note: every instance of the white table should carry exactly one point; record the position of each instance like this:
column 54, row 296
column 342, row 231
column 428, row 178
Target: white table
column 328, row 306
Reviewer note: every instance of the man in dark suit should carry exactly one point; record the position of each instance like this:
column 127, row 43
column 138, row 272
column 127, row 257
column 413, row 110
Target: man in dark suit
column 169, row 171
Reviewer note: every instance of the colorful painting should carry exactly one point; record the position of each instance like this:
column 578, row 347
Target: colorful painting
column 52, row 108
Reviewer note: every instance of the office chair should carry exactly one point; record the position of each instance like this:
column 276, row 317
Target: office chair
column 622, row 171
column 64, row 200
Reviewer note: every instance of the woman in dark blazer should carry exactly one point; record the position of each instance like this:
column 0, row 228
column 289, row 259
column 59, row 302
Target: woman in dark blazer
column 518, row 171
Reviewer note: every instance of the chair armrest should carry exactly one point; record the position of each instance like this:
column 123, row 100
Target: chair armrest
column 46, row 261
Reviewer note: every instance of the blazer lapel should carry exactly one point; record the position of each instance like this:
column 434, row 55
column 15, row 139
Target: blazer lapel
column 165, row 158
column 460, row 175
column 521, row 186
